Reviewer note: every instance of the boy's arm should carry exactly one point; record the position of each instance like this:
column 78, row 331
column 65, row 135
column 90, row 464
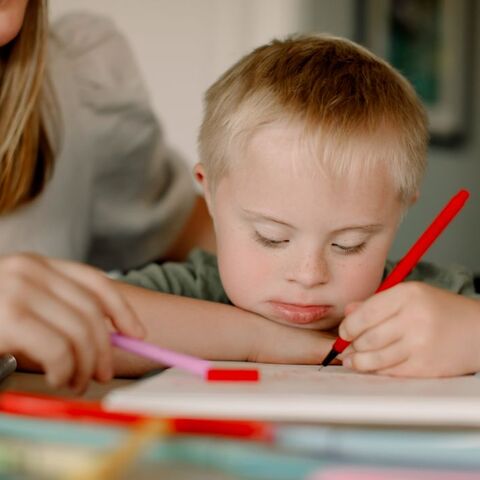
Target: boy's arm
column 214, row 331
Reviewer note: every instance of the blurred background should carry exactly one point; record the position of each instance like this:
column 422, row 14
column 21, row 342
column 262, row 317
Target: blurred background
column 182, row 46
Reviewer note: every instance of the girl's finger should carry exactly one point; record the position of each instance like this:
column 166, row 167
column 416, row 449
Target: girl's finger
column 73, row 311
column 32, row 272
column 93, row 293
column 88, row 311
column 73, row 326
column 42, row 344
column 103, row 289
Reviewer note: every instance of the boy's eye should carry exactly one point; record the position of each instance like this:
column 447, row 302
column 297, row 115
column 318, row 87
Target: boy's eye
column 268, row 242
column 348, row 250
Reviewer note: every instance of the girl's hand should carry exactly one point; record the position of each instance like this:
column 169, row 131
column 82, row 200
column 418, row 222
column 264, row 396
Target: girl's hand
column 413, row 330
column 53, row 313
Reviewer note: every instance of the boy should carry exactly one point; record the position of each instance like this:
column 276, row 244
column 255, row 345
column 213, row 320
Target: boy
column 311, row 151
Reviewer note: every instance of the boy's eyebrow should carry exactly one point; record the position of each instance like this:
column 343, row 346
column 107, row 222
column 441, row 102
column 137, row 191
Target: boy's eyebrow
column 369, row 228
column 263, row 216
column 374, row 227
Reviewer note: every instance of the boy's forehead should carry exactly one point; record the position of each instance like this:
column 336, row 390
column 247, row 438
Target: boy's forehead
column 290, row 145
column 316, row 138
column 280, row 157
column 283, row 162
column 308, row 202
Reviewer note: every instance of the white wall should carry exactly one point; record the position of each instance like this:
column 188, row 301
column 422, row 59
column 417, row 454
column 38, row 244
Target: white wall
column 183, row 45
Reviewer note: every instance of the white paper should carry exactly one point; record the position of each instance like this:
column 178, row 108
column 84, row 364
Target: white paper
column 305, row 393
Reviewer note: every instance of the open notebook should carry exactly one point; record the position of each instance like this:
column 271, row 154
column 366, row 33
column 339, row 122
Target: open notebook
column 304, row 393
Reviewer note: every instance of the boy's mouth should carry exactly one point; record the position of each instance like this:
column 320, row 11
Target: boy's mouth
column 300, row 314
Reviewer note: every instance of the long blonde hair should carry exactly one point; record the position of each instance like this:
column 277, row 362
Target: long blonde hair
column 26, row 153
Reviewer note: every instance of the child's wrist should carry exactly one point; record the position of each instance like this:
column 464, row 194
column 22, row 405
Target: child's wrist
column 256, row 336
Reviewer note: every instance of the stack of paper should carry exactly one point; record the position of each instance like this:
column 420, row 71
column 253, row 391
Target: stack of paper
column 305, row 393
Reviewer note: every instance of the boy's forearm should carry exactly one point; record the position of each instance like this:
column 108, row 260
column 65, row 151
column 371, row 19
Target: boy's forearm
column 205, row 329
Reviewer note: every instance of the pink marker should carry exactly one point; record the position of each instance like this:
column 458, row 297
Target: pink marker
column 191, row 364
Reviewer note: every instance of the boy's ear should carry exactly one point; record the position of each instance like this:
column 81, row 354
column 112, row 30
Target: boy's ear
column 200, row 177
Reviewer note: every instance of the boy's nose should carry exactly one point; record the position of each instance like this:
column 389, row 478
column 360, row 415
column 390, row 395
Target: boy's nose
column 312, row 271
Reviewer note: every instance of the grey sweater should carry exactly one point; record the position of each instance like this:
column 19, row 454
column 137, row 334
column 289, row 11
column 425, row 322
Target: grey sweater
column 118, row 196
column 199, row 278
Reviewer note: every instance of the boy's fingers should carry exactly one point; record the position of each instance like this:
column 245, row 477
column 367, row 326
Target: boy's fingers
column 378, row 337
column 397, row 370
column 348, row 351
column 373, row 311
column 377, row 360
column 103, row 289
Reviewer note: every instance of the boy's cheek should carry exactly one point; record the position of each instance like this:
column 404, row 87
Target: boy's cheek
column 361, row 282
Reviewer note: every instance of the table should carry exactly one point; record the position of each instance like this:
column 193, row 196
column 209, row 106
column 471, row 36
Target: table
column 34, row 383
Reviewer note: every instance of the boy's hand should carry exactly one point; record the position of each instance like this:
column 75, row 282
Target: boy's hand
column 277, row 343
column 413, row 330
column 53, row 313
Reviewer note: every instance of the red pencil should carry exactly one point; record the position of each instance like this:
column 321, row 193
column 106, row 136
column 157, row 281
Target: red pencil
column 408, row 262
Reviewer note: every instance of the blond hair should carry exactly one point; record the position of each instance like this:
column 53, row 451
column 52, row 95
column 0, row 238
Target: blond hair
column 340, row 92
column 26, row 157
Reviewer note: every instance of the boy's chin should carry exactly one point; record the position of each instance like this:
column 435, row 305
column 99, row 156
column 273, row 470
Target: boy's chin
column 325, row 324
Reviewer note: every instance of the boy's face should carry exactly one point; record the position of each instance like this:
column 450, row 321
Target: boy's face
column 294, row 245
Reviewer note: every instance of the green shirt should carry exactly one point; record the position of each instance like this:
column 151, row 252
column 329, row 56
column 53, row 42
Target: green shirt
column 199, row 277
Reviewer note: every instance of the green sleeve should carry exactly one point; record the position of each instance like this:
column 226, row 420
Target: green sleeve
column 198, row 277
column 454, row 278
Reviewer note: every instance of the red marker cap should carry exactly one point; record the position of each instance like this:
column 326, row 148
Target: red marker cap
column 232, row 375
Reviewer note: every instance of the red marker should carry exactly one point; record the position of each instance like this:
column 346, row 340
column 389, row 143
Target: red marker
column 408, row 262
column 57, row 408
column 74, row 410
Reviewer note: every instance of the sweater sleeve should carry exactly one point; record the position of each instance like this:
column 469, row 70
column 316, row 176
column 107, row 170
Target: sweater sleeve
column 198, row 278
column 454, row 278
